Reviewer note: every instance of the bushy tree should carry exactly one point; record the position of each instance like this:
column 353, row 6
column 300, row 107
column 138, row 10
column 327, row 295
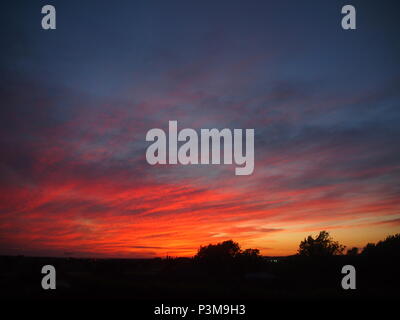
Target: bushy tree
column 322, row 245
column 251, row 253
column 370, row 247
column 388, row 247
column 226, row 250
column 352, row 252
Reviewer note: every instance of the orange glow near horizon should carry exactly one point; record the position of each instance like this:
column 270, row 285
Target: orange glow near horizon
column 165, row 219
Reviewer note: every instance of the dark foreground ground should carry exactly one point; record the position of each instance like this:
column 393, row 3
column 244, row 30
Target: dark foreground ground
column 290, row 278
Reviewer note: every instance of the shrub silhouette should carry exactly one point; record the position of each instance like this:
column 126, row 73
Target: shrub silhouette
column 223, row 251
column 388, row 247
column 323, row 245
column 226, row 259
column 352, row 252
column 250, row 253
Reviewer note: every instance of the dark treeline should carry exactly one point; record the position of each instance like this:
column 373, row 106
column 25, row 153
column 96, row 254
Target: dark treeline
column 223, row 270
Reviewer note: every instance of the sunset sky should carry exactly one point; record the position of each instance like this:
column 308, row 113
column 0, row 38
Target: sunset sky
column 76, row 104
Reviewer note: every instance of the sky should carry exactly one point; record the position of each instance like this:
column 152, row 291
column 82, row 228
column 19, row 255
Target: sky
column 76, row 104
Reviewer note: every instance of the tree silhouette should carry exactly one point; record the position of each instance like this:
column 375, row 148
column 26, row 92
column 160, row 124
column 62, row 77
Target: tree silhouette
column 352, row 252
column 388, row 247
column 251, row 253
column 322, row 245
column 223, row 251
column 226, row 259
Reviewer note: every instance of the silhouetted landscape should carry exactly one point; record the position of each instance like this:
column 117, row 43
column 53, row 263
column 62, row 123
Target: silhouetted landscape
column 199, row 153
column 217, row 271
